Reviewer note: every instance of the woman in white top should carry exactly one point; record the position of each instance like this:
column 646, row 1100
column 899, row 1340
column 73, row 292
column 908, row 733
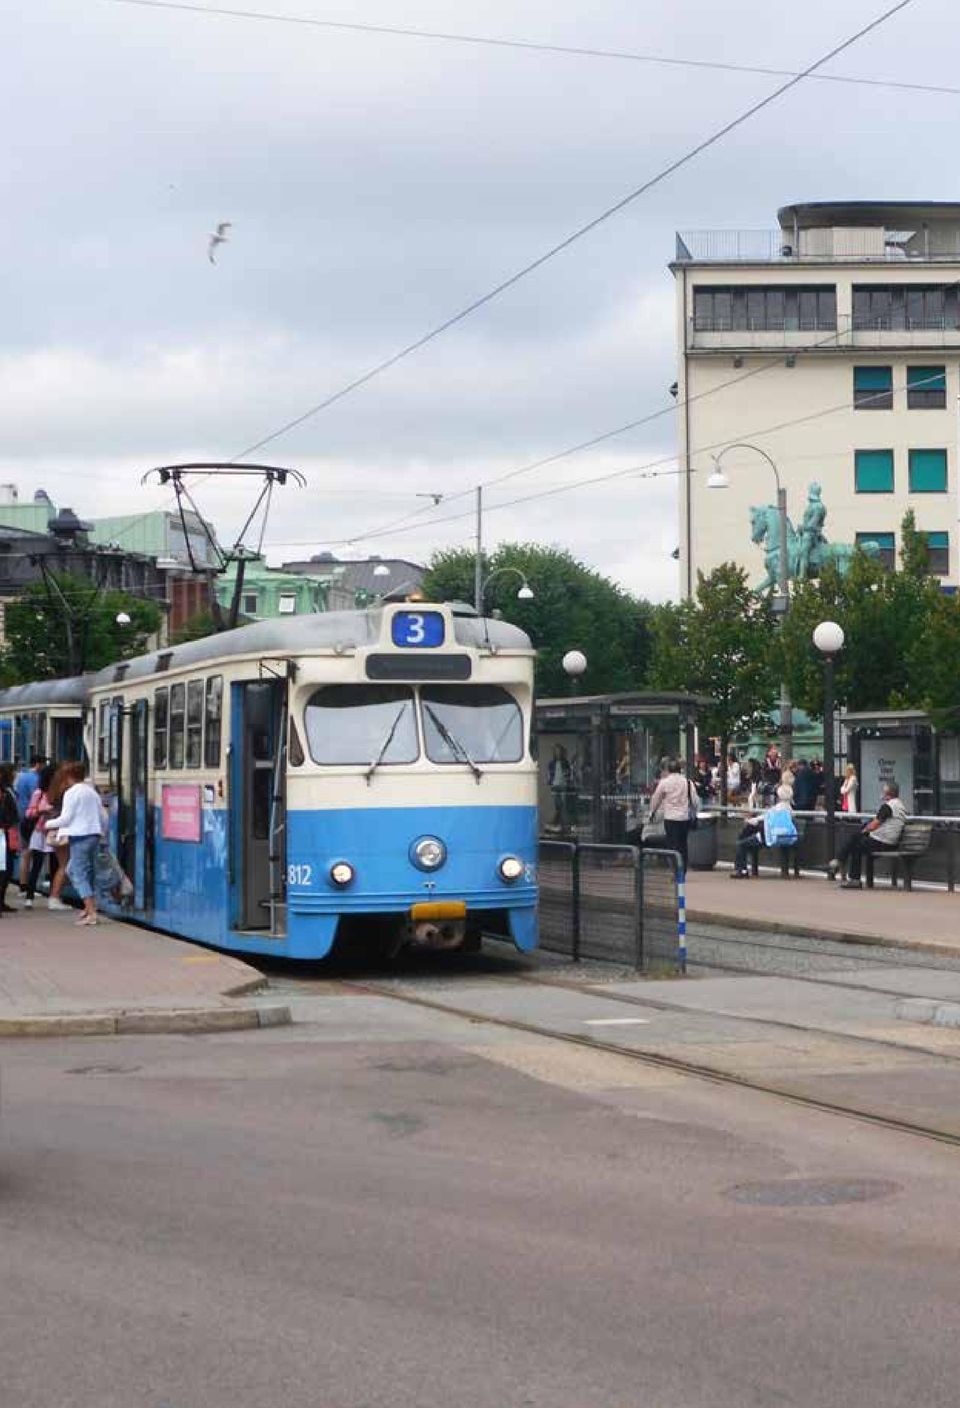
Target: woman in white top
column 672, row 799
column 848, row 790
column 82, row 821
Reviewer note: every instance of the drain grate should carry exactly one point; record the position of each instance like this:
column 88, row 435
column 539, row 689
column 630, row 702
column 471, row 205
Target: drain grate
column 812, row 1192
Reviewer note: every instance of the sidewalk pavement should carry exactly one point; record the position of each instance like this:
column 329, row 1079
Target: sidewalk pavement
column 60, row 980
column 814, row 906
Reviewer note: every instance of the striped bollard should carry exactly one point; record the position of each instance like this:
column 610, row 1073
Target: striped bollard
column 682, row 919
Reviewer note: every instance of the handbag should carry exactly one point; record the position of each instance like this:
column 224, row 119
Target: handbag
column 653, row 829
column 693, row 807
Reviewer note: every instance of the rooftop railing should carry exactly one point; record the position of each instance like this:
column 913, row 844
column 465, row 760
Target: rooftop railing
column 778, row 247
column 821, row 334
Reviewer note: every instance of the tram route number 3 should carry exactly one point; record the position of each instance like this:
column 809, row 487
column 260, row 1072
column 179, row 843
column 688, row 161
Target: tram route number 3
column 417, row 628
column 299, row 874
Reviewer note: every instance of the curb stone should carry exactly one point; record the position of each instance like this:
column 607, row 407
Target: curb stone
column 176, row 1021
column 809, row 931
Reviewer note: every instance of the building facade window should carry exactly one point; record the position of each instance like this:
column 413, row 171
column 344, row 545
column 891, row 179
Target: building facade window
column 746, row 308
column 938, row 552
column 905, row 307
column 250, row 603
column 928, row 471
column 873, row 388
column 926, row 388
column 287, row 604
column 887, row 544
column 873, row 471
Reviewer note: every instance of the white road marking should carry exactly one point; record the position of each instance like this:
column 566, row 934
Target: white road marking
column 616, row 1021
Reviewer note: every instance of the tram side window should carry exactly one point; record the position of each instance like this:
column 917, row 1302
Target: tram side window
column 194, row 723
column 213, row 723
column 361, row 723
column 103, row 735
column 177, row 719
column 160, row 716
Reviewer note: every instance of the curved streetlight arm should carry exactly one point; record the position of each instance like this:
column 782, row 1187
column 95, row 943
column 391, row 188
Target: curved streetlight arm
column 743, row 445
column 499, row 573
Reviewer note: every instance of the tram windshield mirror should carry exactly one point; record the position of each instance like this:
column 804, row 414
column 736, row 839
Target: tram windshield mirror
column 484, row 720
column 347, row 724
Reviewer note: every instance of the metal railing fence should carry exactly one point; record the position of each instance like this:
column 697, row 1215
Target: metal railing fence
column 615, row 904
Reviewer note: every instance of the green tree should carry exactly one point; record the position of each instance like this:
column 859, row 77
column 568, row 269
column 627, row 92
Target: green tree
column 719, row 644
column 573, row 608
column 886, row 617
column 48, row 637
column 200, row 625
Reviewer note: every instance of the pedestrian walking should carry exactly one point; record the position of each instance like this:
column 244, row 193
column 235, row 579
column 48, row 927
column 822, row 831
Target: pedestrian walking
column 41, row 848
column 675, row 799
column 848, row 789
column 24, row 785
column 9, row 835
column 881, row 834
column 83, row 822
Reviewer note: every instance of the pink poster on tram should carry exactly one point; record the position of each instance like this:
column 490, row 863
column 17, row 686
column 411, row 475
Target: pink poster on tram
column 180, row 813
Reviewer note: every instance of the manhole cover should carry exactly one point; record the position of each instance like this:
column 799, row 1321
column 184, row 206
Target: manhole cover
column 102, row 1070
column 812, row 1192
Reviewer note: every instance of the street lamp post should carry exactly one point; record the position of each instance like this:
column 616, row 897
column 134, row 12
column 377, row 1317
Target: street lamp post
column 828, row 638
column 574, row 664
column 781, row 602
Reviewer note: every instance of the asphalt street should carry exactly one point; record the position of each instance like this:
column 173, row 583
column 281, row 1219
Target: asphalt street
column 386, row 1205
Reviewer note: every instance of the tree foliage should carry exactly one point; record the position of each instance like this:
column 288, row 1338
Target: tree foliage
column 895, row 624
column 719, row 644
column 573, row 608
column 38, row 634
column 200, row 625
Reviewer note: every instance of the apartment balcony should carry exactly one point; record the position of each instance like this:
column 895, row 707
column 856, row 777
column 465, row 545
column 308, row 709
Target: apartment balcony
column 819, row 246
column 843, row 334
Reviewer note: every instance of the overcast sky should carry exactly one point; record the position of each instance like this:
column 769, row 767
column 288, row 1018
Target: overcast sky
column 376, row 184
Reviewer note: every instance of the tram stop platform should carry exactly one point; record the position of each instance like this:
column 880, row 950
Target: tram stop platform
column 58, row 979
column 924, row 918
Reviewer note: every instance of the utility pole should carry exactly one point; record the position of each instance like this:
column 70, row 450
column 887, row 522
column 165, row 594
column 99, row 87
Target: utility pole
column 478, row 560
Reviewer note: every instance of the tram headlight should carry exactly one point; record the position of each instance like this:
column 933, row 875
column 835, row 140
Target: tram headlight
column 511, row 868
column 342, row 874
column 428, row 853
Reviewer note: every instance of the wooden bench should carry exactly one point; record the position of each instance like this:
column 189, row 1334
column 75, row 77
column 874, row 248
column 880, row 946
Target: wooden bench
column 789, row 855
column 914, row 843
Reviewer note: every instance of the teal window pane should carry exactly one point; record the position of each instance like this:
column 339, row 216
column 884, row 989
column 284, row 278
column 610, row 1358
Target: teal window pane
column 873, row 471
column 938, row 552
column 929, row 378
column 926, row 388
column 882, row 546
column 928, row 471
column 873, row 388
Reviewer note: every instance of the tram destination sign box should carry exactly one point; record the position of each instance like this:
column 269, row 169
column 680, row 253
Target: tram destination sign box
column 180, row 812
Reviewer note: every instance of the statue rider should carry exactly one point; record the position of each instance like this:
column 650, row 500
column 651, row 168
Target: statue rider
column 811, row 533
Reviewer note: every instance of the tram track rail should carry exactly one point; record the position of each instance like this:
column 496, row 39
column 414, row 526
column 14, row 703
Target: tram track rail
column 678, row 1064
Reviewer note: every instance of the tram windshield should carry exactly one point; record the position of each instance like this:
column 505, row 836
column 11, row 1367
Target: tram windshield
column 362, row 723
column 479, row 723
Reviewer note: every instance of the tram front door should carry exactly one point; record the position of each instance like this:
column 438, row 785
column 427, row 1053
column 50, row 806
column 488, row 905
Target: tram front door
column 258, row 838
column 134, row 815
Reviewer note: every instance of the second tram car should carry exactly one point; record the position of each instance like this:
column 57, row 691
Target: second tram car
column 292, row 782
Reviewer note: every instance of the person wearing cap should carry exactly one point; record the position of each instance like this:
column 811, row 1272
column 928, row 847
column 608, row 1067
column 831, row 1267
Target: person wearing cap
column 762, row 831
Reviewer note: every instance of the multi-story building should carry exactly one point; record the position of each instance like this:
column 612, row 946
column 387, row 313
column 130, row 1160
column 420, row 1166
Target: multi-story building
column 833, row 345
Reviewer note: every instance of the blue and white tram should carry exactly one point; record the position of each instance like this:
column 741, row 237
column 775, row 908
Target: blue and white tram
column 337, row 775
column 45, row 719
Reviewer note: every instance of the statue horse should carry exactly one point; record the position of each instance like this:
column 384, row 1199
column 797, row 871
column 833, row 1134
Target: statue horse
column 765, row 530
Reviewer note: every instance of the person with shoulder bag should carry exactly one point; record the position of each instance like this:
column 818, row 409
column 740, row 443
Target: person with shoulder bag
column 9, row 834
column 676, row 798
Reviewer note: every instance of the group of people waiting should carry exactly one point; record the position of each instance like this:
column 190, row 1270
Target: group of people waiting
column 53, row 823
column 754, row 783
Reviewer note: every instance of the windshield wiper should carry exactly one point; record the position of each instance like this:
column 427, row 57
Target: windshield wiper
column 385, row 744
column 454, row 744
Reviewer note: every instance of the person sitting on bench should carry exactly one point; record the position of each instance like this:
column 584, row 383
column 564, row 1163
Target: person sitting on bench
column 882, row 833
column 774, row 828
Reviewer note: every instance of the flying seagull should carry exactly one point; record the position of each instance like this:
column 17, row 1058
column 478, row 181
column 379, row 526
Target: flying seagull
column 220, row 237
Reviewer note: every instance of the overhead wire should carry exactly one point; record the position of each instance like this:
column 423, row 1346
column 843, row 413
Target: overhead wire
column 579, row 233
column 534, row 46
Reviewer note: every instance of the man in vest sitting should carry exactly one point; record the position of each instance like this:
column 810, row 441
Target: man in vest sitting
column 883, row 833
